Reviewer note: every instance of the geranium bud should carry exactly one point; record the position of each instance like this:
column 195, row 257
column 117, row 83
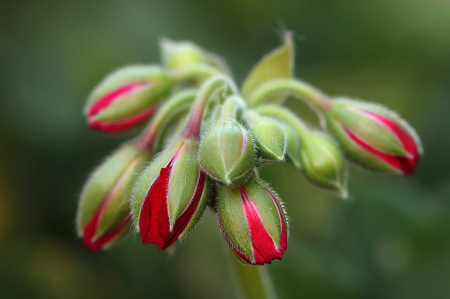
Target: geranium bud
column 227, row 152
column 126, row 98
column 253, row 222
column 374, row 137
column 270, row 139
column 170, row 195
column 104, row 212
column 323, row 163
column 293, row 145
column 180, row 54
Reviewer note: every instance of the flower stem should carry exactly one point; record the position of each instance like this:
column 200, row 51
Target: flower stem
column 232, row 106
column 194, row 71
column 253, row 282
column 285, row 115
column 149, row 138
column 295, row 88
column 214, row 84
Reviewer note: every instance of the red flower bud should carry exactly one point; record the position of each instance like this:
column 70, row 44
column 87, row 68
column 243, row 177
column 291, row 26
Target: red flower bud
column 168, row 201
column 126, row 98
column 253, row 222
column 374, row 136
column 104, row 212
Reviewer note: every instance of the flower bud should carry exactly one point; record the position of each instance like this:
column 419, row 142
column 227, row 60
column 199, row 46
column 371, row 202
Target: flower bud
column 270, row 139
column 323, row 163
column 180, row 54
column 293, row 145
column 170, row 195
column 374, row 136
column 126, row 98
column 227, row 153
column 253, row 222
column 104, row 213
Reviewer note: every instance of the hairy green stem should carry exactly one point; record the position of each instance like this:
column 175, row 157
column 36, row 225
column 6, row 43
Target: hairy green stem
column 149, row 137
column 292, row 87
column 252, row 282
column 285, row 115
column 194, row 71
column 218, row 83
column 232, row 106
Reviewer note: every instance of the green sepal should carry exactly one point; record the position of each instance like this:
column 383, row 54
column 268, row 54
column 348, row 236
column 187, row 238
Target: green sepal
column 232, row 218
column 270, row 139
column 183, row 180
column 200, row 208
column 278, row 64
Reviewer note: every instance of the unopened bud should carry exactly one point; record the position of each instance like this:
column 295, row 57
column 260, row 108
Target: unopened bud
column 323, row 163
column 126, row 98
column 253, row 222
column 270, row 139
column 227, row 152
column 180, row 54
column 374, row 136
column 104, row 211
column 171, row 194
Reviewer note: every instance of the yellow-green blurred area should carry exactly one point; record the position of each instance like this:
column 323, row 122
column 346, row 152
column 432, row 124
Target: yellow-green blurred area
column 391, row 239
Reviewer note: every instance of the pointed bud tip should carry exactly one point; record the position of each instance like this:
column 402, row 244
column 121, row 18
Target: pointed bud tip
column 227, row 152
column 374, row 136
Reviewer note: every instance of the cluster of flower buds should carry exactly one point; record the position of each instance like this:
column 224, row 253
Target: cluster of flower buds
column 205, row 141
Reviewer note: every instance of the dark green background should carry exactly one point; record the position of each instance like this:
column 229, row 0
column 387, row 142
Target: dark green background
column 391, row 239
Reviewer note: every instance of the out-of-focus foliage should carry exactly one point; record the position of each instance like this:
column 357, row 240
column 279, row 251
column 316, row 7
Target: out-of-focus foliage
column 390, row 240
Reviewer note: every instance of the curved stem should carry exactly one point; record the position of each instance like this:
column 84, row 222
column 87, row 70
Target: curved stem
column 295, row 88
column 147, row 140
column 285, row 115
column 218, row 83
column 252, row 282
column 232, row 106
column 194, row 71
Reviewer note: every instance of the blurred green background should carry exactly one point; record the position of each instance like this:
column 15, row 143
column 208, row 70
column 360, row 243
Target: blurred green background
column 390, row 240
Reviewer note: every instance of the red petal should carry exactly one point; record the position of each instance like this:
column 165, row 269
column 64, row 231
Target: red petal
column 150, row 217
column 154, row 223
column 89, row 239
column 110, row 97
column 403, row 164
column 263, row 245
column 121, row 125
column 408, row 142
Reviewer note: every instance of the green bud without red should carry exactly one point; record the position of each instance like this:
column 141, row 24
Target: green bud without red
column 227, row 152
